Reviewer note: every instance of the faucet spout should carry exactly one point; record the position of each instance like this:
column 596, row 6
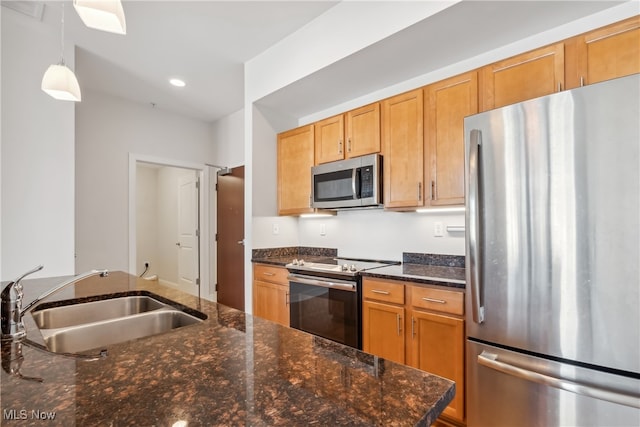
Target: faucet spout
column 12, row 311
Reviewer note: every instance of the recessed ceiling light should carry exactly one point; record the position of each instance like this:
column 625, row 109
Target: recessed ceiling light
column 177, row 82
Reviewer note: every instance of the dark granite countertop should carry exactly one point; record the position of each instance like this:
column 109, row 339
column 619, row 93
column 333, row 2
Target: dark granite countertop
column 283, row 256
column 453, row 277
column 231, row 369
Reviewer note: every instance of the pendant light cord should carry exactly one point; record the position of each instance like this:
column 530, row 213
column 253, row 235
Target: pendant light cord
column 62, row 38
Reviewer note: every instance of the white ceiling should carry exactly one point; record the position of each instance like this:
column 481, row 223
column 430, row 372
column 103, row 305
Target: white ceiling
column 207, row 42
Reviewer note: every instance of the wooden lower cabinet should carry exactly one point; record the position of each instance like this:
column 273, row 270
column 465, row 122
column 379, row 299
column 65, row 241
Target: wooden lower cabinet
column 419, row 326
column 271, row 293
column 437, row 346
column 383, row 331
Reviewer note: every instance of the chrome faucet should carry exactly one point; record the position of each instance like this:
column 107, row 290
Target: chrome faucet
column 12, row 311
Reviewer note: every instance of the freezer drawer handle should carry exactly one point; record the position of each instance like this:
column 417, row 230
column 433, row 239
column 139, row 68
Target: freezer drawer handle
column 490, row 360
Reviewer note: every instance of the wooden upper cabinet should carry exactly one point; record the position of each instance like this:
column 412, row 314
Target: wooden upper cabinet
column 403, row 142
column 607, row 53
column 295, row 159
column 447, row 103
column 363, row 130
column 329, row 139
column 536, row 73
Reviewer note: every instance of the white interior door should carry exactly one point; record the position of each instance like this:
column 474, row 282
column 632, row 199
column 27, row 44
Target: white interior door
column 188, row 232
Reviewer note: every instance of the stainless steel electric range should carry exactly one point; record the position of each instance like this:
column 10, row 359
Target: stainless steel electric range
column 325, row 297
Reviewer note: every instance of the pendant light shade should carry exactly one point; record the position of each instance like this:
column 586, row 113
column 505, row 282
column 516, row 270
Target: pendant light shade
column 105, row 15
column 60, row 82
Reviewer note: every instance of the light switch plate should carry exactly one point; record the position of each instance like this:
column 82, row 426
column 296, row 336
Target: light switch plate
column 438, row 229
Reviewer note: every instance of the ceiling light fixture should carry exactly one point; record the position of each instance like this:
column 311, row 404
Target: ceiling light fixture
column 59, row 81
column 177, row 82
column 105, row 15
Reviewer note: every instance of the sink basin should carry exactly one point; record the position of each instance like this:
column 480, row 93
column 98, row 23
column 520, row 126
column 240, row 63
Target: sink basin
column 78, row 327
column 88, row 312
column 96, row 335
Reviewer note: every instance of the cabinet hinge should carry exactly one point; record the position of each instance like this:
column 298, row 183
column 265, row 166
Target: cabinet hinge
column 198, row 281
column 216, row 237
column 197, row 232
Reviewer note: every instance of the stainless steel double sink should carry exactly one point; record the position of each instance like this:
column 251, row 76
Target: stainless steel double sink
column 83, row 326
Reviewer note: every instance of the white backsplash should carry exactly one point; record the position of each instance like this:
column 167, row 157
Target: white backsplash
column 365, row 233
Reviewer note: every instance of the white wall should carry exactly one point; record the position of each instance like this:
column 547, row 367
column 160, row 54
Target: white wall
column 377, row 234
column 146, row 218
column 108, row 129
column 341, row 31
column 36, row 153
column 227, row 135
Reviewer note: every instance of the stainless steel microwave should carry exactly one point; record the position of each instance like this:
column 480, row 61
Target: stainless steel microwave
column 350, row 183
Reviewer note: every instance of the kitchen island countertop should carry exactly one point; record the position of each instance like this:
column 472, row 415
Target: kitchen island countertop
column 231, row 369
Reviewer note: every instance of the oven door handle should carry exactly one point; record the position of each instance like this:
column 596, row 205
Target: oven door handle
column 313, row 281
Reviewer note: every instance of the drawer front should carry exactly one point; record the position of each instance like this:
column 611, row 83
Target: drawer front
column 382, row 290
column 438, row 300
column 270, row 273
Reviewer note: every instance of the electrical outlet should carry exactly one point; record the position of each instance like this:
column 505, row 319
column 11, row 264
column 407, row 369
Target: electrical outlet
column 276, row 229
column 438, row 229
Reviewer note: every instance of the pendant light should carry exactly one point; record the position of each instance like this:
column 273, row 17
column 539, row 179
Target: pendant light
column 59, row 81
column 105, row 15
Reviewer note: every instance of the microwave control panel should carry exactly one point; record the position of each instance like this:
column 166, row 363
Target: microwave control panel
column 366, row 181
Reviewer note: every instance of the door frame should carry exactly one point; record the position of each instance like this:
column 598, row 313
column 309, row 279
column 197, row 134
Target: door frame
column 203, row 213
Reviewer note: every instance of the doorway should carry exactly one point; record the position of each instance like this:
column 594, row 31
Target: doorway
column 167, row 217
column 230, row 238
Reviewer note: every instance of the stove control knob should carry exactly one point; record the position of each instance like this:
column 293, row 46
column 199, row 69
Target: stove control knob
column 301, row 262
column 294, row 262
column 345, row 267
column 353, row 267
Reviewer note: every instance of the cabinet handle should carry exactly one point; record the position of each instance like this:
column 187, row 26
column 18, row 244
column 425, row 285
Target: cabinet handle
column 581, row 81
column 419, row 191
column 340, row 146
column 559, row 86
column 349, row 145
column 287, row 301
column 268, row 274
column 413, row 327
column 433, row 190
column 439, row 301
column 375, row 291
column 398, row 321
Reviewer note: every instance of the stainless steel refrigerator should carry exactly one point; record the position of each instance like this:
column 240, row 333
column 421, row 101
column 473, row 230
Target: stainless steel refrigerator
column 553, row 284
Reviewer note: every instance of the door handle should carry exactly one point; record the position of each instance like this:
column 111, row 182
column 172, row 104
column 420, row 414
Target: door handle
column 178, row 244
column 241, row 242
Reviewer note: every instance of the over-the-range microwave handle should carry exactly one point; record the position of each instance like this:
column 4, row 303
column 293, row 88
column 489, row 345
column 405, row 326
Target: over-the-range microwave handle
column 477, row 310
column 490, row 360
column 354, row 183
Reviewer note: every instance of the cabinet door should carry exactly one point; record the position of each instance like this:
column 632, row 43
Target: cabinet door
column 403, row 140
column 383, row 330
column 329, row 139
column 609, row 52
column 295, row 159
column 363, row 130
column 447, row 103
column 271, row 302
column 527, row 76
column 438, row 347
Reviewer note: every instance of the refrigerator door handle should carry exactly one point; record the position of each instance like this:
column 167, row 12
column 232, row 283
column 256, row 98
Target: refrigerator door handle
column 490, row 360
column 477, row 310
